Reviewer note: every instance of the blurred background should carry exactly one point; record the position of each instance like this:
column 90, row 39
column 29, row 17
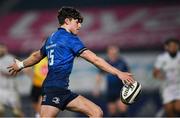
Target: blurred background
column 138, row 27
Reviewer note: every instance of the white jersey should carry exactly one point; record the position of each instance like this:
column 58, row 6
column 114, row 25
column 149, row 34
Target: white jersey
column 6, row 82
column 170, row 67
column 8, row 91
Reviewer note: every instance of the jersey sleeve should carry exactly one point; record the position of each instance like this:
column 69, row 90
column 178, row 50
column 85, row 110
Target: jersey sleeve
column 43, row 49
column 76, row 46
column 159, row 62
column 5, row 63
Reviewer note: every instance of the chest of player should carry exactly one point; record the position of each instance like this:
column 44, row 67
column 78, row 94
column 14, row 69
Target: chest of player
column 171, row 65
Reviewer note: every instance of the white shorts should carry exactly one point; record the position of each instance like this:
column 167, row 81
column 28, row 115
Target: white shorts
column 171, row 93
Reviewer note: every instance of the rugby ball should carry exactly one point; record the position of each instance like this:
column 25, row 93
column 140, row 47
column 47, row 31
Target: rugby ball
column 129, row 93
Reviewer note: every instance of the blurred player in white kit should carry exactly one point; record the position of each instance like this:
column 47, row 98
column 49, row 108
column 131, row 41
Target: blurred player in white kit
column 8, row 92
column 167, row 69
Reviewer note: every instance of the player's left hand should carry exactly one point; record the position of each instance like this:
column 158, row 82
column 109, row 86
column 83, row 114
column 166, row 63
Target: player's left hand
column 127, row 78
column 15, row 67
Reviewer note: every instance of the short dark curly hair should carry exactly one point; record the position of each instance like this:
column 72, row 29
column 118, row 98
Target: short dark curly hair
column 69, row 12
column 174, row 40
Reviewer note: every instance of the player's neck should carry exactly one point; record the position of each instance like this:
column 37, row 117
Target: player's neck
column 65, row 27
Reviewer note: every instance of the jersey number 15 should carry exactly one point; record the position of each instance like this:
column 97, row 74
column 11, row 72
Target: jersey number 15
column 51, row 57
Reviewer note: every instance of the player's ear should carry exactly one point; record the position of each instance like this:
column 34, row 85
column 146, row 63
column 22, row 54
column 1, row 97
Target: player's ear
column 166, row 47
column 67, row 21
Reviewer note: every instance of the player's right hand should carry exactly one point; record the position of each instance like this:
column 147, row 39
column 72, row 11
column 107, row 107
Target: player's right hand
column 159, row 74
column 15, row 67
column 127, row 78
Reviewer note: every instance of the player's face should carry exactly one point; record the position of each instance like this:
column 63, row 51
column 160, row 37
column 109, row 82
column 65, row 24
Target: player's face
column 113, row 53
column 172, row 47
column 75, row 26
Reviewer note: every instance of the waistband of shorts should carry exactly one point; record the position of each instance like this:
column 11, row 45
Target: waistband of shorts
column 54, row 89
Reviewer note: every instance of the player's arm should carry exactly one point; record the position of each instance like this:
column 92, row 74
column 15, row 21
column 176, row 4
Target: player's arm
column 158, row 74
column 33, row 59
column 102, row 64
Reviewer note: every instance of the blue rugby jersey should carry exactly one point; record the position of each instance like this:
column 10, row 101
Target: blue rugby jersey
column 61, row 48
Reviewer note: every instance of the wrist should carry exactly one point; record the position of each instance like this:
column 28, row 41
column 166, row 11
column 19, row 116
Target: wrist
column 20, row 65
column 118, row 73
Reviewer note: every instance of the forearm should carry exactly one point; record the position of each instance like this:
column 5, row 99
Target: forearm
column 99, row 62
column 158, row 74
column 33, row 59
column 102, row 64
column 17, row 66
